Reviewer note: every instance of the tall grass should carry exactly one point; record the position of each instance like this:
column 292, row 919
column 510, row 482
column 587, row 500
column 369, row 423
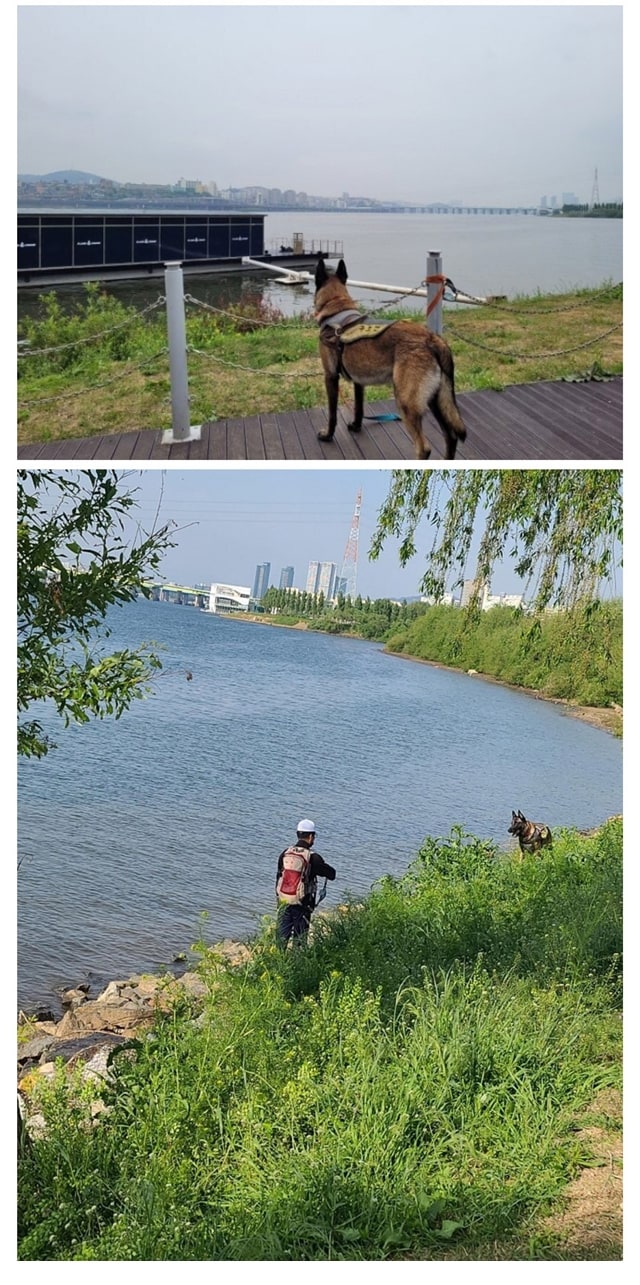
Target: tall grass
column 574, row 655
column 405, row 1086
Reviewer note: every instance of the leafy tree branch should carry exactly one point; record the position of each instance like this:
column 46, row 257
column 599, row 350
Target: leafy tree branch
column 561, row 527
column 76, row 559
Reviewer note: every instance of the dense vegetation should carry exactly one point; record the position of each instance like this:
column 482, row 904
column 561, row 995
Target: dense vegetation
column 604, row 210
column 102, row 366
column 572, row 655
column 407, row 1086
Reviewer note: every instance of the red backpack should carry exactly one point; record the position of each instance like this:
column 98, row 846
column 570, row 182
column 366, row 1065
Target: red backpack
column 292, row 886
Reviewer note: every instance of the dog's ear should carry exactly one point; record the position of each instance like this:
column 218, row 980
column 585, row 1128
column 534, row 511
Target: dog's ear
column 341, row 272
column 321, row 273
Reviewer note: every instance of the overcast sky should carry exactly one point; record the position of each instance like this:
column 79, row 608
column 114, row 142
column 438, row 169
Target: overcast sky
column 229, row 520
column 475, row 103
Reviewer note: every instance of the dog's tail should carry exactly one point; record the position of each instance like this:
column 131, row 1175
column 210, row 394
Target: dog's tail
column 444, row 405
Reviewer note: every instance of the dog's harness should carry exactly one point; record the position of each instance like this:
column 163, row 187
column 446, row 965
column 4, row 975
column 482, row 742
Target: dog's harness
column 541, row 835
column 346, row 328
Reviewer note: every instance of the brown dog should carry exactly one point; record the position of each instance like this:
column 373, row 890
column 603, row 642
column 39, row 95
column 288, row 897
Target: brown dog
column 418, row 363
column 531, row 835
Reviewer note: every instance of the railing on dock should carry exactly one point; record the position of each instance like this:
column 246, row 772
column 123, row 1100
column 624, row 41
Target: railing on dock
column 298, row 245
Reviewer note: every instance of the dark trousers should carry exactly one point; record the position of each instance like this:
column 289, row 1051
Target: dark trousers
column 292, row 922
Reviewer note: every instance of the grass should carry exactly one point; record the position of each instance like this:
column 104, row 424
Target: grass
column 242, row 368
column 408, row 1086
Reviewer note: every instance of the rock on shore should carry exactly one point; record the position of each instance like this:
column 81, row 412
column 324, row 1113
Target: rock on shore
column 90, row 1029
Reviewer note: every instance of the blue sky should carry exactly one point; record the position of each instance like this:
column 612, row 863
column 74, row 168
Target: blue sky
column 496, row 103
column 229, row 520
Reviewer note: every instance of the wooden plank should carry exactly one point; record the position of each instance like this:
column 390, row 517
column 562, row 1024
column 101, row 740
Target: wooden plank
column 492, row 432
column 73, row 449
column 217, row 439
column 200, row 450
column 273, row 449
column 310, row 444
column 552, row 420
column 569, row 416
column 253, row 437
column 236, row 444
column 564, row 440
column 597, row 407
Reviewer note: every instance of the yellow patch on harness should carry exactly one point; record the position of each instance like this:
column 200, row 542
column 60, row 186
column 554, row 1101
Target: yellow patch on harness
column 363, row 330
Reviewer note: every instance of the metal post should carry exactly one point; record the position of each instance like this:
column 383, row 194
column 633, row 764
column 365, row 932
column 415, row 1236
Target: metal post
column 181, row 430
column 434, row 313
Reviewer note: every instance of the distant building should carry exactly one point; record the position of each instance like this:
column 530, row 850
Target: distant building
column 487, row 599
column 261, row 581
column 229, row 597
column 445, row 601
column 470, row 589
column 321, row 578
column 490, row 600
column 286, row 578
column 313, row 571
column 326, row 579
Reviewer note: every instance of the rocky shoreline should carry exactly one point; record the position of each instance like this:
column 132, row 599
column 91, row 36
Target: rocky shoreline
column 85, row 1038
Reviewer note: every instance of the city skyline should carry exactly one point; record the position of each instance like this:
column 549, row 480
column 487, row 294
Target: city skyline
column 67, row 188
column 207, row 99
column 229, row 521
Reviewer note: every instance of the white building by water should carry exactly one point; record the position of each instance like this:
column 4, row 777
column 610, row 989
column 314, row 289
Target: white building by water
column 229, row 597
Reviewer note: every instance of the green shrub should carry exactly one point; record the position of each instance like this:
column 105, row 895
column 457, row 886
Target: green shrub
column 406, row 1082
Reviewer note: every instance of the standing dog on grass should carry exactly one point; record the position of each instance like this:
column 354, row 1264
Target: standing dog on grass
column 418, row 363
column 531, row 835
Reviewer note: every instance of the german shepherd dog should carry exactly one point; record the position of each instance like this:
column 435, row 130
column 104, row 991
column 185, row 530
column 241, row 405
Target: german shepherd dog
column 531, row 835
column 418, row 363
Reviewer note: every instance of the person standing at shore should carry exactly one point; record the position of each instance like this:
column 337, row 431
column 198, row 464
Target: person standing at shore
column 296, row 881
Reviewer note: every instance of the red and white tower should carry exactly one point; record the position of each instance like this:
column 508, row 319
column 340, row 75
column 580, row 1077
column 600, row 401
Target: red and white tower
column 349, row 571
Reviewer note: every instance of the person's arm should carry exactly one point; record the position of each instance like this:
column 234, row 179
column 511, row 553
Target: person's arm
column 320, row 869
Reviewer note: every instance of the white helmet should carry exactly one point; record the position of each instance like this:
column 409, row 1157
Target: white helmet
column 305, row 827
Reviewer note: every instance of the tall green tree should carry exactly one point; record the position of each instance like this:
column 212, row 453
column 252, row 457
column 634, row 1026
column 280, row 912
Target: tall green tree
column 76, row 559
column 561, row 527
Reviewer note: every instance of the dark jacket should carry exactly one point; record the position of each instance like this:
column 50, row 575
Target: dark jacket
column 318, row 869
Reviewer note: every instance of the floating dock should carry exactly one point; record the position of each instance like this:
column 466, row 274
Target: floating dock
column 58, row 246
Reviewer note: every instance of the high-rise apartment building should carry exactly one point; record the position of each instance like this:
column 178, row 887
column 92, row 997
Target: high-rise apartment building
column 313, row 572
column 286, row 578
column 321, row 578
column 326, row 579
column 261, row 581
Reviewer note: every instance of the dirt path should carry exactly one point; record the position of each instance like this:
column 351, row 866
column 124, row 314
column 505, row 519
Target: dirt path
column 590, row 1226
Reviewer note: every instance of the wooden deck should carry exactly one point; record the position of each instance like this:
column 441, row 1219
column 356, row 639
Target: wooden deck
column 545, row 421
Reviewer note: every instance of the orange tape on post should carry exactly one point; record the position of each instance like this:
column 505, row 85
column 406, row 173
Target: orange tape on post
column 432, row 281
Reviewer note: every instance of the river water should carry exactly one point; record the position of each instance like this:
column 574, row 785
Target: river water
column 132, row 828
column 482, row 254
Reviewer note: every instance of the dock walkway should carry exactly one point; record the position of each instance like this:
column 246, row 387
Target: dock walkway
column 542, row 421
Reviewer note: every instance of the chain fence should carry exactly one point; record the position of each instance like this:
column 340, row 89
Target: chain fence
column 451, row 295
